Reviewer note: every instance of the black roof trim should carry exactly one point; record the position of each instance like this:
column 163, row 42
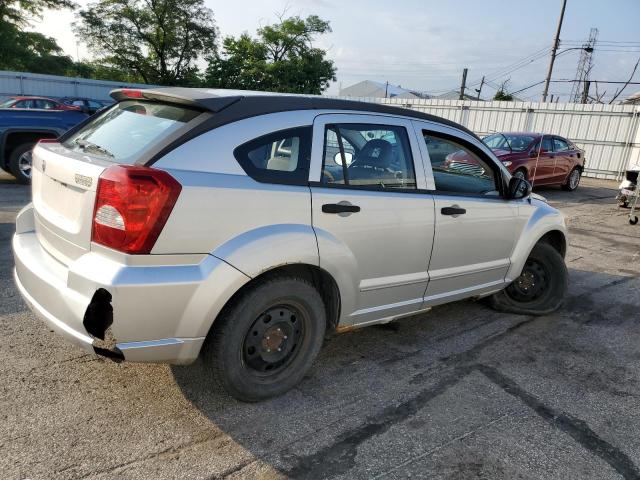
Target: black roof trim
column 265, row 102
column 232, row 105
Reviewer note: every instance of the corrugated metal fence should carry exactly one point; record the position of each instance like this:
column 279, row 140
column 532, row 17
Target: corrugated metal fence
column 19, row 83
column 609, row 134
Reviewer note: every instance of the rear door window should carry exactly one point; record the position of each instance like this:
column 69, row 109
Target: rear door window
column 124, row 132
column 375, row 156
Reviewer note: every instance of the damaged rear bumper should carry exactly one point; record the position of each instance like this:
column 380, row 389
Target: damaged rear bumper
column 160, row 312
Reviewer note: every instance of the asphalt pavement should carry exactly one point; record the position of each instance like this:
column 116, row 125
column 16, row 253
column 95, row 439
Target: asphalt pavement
column 461, row 392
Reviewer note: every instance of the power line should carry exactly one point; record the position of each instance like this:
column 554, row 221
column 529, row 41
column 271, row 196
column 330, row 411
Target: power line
column 513, row 66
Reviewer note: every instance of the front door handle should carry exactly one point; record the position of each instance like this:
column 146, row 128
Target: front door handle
column 340, row 208
column 455, row 211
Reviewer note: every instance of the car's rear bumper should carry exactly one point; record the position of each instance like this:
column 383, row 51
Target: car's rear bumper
column 161, row 312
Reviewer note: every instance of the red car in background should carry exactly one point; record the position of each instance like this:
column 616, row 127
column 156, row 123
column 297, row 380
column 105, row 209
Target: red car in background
column 42, row 103
column 542, row 159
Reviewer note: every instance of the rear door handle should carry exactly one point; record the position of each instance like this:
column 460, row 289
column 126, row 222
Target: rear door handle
column 452, row 211
column 340, row 208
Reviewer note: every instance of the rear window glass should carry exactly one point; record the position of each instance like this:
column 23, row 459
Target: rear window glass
column 127, row 129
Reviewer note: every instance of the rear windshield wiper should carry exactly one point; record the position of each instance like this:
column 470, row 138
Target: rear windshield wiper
column 87, row 145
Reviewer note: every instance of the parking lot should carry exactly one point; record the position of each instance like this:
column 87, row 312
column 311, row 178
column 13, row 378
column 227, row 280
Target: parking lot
column 461, row 392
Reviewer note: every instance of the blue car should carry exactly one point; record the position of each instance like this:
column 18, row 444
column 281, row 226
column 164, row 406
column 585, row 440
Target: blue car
column 21, row 129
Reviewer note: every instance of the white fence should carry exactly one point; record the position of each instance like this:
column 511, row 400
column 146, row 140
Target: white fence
column 20, row 83
column 609, row 134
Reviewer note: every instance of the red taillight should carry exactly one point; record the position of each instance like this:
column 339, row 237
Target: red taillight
column 48, row 140
column 129, row 93
column 132, row 205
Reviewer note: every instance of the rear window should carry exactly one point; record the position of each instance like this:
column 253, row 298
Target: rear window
column 127, row 129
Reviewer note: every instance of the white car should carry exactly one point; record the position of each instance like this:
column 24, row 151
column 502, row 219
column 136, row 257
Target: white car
column 244, row 225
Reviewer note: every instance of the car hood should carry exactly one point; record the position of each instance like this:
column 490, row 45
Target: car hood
column 500, row 152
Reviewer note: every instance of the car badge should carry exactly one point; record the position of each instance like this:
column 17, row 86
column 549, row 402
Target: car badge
column 83, row 180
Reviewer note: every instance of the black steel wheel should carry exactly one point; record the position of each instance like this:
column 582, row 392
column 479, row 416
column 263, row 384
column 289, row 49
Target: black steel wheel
column 274, row 339
column 264, row 342
column 532, row 283
column 540, row 288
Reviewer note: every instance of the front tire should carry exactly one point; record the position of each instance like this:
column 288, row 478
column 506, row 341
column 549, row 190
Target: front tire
column 264, row 343
column 573, row 180
column 20, row 162
column 540, row 288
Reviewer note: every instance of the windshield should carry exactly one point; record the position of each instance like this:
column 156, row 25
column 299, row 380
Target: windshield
column 122, row 133
column 515, row 143
column 7, row 103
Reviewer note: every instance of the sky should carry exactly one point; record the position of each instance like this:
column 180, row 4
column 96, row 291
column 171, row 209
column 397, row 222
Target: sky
column 425, row 44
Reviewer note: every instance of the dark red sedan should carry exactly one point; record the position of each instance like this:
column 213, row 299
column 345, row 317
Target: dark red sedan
column 543, row 159
column 42, row 103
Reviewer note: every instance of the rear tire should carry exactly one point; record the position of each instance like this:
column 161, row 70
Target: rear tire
column 264, row 343
column 20, row 162
column 540, row 288
column 573, row 180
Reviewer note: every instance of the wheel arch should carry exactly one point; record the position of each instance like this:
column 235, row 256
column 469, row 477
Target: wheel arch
column 547, row 225
column 556, row 239
column 14, row 137
column 319, row 278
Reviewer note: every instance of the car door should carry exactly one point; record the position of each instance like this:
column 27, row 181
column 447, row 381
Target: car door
column 542, row 161
column 475, row 227
column 373, row 220
column 564, row 159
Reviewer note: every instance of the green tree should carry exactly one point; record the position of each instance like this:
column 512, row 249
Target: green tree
column 30, row 51
column 281, row 59
column 158, row 41
column 94, row 70
column 502, row 93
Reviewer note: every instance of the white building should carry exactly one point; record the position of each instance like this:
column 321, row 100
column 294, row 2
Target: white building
column 369, row 88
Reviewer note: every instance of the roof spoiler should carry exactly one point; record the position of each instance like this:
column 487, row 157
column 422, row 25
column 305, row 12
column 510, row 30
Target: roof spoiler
column 209, row 103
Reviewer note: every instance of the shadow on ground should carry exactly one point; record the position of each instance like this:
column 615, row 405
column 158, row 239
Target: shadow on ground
column 416, row 374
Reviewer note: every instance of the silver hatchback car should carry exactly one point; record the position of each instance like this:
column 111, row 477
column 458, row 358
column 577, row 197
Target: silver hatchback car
column 242, row 226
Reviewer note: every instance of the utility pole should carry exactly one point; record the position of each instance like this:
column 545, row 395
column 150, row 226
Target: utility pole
column 386, row 89
column 464, row 83
column 554, row 49
column 480, row 89
column 585, row 91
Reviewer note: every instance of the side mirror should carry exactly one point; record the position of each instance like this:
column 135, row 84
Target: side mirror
column 518, row 188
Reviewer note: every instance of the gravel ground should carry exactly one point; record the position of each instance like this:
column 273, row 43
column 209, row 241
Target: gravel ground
column 459, row 393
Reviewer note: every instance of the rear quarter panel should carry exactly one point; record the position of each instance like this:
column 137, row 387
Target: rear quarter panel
column 222, row 211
